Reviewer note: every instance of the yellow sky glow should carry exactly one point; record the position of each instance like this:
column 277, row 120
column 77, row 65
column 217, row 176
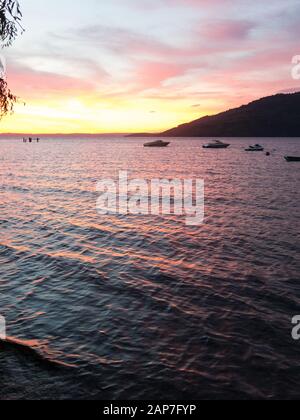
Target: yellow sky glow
column 73, row 115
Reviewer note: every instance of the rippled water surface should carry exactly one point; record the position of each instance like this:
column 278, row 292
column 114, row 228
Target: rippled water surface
column 141, row 306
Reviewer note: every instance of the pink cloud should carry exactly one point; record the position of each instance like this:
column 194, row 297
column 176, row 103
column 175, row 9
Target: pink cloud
column 227, row 30
column 27, row 82
column 152, row 74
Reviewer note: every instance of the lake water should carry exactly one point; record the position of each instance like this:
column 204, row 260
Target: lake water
column 145, row 307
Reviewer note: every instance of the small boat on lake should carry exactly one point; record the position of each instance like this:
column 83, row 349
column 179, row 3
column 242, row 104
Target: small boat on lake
column 292, row 158
column 157, row 143
column 256, row 148
column 217, row 144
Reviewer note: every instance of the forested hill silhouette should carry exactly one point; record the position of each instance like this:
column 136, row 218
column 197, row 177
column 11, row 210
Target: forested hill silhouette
column 273, row 116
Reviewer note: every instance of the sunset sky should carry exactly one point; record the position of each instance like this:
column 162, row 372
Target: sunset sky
column 146, row 65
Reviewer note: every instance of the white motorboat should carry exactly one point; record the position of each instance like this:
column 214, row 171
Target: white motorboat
column 255, row 148
column 157, row 143
column 217, row 144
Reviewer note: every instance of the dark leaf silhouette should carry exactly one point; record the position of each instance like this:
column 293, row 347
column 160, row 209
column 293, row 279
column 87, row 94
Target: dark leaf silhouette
column 7, row 99
column 10, row 17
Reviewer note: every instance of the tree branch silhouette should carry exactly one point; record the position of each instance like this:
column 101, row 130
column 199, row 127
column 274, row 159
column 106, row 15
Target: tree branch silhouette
column 10, row 27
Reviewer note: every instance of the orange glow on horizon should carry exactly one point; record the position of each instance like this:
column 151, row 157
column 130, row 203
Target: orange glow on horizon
column 82, row 115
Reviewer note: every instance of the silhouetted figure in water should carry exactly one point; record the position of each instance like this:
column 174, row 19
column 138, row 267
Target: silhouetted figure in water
column 30, row 140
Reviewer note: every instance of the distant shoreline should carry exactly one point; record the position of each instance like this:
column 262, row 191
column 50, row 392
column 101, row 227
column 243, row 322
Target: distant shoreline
column 67, row 137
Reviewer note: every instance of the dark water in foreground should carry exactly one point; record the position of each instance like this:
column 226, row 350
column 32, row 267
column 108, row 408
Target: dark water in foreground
column 146, row 307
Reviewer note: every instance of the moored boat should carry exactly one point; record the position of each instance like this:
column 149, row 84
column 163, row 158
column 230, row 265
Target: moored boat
column 157, row 143
column 255, row 148
column 217, row 144
column 292, row 158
